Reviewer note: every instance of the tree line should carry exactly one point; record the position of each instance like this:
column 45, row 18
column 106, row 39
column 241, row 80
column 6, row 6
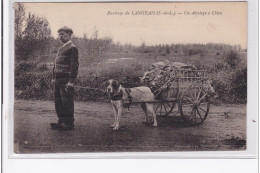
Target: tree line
column 33, row 38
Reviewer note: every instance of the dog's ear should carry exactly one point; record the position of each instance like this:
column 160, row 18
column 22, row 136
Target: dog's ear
column 117, row 84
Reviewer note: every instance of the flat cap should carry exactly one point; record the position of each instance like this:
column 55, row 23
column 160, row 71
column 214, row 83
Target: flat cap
column 66, row 29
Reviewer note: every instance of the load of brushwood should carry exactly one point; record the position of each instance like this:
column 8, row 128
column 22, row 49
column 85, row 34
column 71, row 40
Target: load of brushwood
column 161, row 74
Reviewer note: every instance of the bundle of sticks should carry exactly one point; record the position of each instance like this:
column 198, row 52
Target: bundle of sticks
column 161, row 73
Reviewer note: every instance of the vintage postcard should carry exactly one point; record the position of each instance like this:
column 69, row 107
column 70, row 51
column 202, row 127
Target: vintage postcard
column 130, row 77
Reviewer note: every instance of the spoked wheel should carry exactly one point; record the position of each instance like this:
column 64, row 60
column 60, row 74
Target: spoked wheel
column 167, row 100
column 163, row 108
column 194, row 105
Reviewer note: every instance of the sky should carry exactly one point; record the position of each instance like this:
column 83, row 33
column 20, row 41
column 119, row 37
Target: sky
column 207, row 22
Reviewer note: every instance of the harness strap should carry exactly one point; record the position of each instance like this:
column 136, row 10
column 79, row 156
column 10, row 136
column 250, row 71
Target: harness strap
column 117, row 96
column 130, row 98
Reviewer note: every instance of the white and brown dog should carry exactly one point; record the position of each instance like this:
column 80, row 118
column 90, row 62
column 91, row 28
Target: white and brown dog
column 118, row 95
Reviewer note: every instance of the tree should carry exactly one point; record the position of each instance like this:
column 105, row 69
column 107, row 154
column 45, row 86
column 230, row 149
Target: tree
column 168, row 50
column 19, row 19
column 95, row 34
column 232, row 59
column 85, row 37
column 143, row 44
column 36, row 28
column 35, row 38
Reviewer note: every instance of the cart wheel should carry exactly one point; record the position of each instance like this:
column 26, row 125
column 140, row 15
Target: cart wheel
column 194, row 104
column 163, row 108
column 166, row 101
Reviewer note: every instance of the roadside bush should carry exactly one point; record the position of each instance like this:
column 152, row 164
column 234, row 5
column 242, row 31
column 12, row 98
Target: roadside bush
column 25, row 66
column 230, row 84
column 27, row 48
column 34, row 82
column 31, row 83
column 239, row 85
column 221, row 84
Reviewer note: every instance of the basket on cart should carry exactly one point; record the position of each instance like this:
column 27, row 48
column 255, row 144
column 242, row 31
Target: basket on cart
column 174, row 82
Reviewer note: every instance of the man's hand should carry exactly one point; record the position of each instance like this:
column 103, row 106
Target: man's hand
column 68, row 86
column 53, row 81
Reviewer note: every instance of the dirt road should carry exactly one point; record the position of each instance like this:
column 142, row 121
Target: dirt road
column 32, row 132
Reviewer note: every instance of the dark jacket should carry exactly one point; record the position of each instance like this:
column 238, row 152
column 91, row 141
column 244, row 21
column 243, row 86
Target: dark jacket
column 66, row 64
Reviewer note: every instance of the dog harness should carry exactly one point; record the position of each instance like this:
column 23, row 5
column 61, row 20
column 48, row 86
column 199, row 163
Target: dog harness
column 130, row 98
column 117, row 96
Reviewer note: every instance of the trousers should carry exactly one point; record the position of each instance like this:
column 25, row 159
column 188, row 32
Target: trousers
column 64, row 104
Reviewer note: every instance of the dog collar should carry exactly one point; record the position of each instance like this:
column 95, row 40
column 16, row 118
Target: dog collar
column 117, row 96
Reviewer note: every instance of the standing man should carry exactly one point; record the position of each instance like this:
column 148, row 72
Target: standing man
column 65, row 72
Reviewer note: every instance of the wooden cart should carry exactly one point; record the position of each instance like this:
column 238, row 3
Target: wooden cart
column 187, row 88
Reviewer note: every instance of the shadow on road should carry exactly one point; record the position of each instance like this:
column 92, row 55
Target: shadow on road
column 171, row 121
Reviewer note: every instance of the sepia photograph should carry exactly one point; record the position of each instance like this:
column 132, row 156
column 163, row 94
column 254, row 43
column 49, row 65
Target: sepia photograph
column 130, row 77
